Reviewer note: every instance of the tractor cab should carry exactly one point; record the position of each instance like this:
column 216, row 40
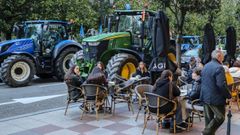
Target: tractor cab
column 45, row 34
column 139, row 24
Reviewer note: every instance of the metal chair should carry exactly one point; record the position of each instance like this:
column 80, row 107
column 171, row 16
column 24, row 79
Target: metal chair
column 156, row 102
column 139, row 90
column 69, row 100
column 196, row 109
column 94, row 95
column 234, row 90
column 122, row 93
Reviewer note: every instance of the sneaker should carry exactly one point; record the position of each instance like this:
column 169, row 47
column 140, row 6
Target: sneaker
column 178, row 130
column 182, row 125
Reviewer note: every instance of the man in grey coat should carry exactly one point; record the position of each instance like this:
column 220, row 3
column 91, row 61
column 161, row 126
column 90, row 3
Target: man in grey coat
column 214, row 93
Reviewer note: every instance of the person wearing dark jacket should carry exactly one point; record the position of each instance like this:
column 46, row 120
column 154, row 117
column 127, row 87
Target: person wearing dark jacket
column 98, row 75
column 161, row 88
column 214, row 93
column 193, row 94
column 74, row 80
column 196, row 87
column 141, row 71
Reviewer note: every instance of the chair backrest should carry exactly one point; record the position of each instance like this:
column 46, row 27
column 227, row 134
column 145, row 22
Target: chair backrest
column 92, row 90
column 182, row 80
column 156, row 101
column 140, row 89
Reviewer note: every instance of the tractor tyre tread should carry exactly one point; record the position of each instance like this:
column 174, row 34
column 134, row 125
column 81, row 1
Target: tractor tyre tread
column 7, row 64
column 59, row 61
column 116, row 62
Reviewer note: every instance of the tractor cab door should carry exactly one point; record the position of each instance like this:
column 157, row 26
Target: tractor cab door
column 52, row 35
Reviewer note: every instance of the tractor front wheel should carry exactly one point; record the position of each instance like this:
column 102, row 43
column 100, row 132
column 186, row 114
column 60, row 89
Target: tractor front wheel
column 122, row 64
column 62, row 62
column 17, row 70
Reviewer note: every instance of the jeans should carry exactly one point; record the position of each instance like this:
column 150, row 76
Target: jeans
column 214, row 118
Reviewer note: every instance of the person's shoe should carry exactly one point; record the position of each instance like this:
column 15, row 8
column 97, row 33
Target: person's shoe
column 182, row 125
column 178, row 130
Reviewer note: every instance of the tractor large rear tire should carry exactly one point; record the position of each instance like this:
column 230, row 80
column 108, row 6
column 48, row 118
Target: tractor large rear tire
column 122, row 64
column 62, row 62
column 17, row 70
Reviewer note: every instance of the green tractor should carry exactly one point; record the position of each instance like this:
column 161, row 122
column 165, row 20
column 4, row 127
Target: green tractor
column 139, row 36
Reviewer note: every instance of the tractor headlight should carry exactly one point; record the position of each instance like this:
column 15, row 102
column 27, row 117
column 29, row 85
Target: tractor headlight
column 93, row 43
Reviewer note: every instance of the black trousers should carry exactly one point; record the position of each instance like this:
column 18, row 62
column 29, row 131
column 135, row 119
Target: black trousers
column 214, row 118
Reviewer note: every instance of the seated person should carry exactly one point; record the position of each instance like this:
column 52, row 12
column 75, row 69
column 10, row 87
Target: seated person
column 194, row 93
column 98, row 75
column 228, row 76
column 161, row 88
column 192, row 65
column 73, row 78
column 141, row 71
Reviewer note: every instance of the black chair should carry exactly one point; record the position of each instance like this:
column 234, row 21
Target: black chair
column 94, row 95
column 122, row 93
column 139, row 90
column 156, row 102
column 69, row 99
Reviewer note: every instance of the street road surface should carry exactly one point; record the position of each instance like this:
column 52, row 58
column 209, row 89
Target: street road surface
column 42, row 94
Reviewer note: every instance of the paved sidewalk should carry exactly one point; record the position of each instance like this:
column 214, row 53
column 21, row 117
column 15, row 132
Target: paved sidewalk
column 123, row 123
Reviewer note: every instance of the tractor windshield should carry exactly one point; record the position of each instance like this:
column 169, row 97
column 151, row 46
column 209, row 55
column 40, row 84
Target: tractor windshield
column 129, row 23
column 32, row 30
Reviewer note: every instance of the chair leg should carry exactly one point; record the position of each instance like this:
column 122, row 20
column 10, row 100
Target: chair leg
column 157, row 128
column 97, row 108
column 174, row 124
column 66, row 108
column 192, row 118
column 85, row 105
column 138, row 113
column 131, row 105
column 114, row 104
column 199, row 116
column 145, row 123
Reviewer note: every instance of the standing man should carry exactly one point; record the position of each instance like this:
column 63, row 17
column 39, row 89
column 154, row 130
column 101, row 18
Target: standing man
column 214, row 93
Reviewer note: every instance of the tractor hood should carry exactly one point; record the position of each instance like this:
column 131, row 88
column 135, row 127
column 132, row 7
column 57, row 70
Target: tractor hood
column 15, row 41
column 16, row 45
column 106, row 36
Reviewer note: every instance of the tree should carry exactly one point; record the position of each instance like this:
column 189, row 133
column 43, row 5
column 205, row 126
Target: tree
column 13, row 11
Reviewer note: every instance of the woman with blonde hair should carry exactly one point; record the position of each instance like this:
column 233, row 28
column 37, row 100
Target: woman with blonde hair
column 141, row 70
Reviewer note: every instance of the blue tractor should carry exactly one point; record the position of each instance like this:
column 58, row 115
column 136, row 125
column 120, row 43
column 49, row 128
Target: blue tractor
column 42, row 48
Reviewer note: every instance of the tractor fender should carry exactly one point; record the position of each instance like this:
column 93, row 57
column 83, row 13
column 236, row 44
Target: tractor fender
column 63, row 45
column 123, row 50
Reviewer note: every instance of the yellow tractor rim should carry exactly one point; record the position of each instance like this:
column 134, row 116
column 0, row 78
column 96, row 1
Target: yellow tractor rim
column 127, row 70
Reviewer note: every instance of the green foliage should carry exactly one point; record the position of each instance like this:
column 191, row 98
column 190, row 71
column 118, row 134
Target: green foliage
column 13, row 11
column 186, row 16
